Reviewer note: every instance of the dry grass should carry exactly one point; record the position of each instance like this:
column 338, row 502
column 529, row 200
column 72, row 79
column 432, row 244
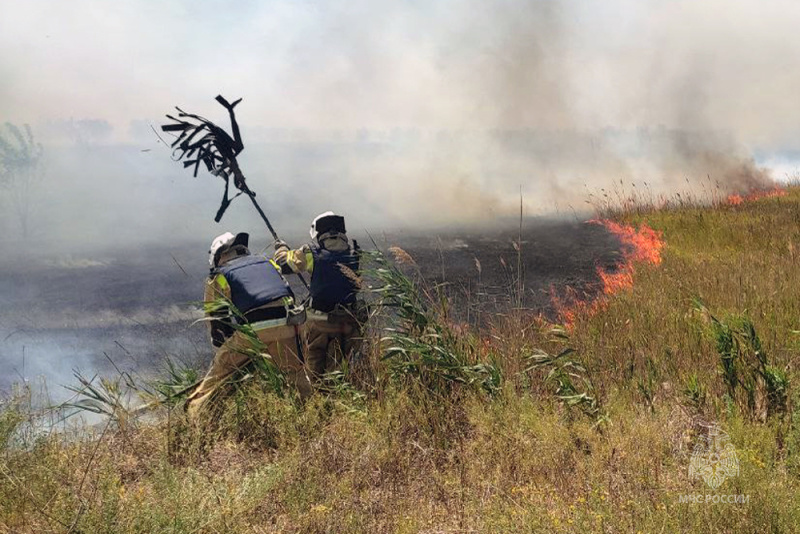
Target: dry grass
column 397, row 459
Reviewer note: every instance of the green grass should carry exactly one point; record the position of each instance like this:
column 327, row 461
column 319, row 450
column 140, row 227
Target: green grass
column 441, row 429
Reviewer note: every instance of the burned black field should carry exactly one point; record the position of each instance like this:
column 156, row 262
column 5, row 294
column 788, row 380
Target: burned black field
column 479, row 270
column 136, row 307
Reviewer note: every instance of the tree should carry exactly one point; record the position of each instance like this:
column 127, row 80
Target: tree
column 20, row 169
column 79, row 132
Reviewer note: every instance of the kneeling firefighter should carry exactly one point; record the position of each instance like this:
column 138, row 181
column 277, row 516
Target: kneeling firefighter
column 335, row 315
column 259, row 292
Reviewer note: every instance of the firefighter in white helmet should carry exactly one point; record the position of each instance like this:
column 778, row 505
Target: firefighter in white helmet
column 259, row 292
column 334, row 319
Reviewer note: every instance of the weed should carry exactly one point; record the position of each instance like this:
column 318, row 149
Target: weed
column 562, row 372
column 695, row 393
column 761, row 389
column 174, row 383
column 648, row 385
column 102, row 396
column 421, row 346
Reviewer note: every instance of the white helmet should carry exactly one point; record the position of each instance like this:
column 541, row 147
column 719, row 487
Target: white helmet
column 313, row 231
column 225, row 240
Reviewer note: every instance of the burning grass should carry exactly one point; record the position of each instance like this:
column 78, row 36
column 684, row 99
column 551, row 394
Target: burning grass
column 405, row 458
column 641, row 245
column 748, row 184
column 736, row 199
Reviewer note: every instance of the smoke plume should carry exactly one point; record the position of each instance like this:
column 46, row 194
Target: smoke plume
column 410, row 113
column 395, row 114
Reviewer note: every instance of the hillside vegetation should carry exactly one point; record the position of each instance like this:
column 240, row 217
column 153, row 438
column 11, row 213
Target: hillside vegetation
column 522, row 426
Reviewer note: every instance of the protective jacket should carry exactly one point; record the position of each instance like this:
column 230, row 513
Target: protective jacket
column 333, row 278
column 256, row 288
column 254, row 281
column 335, row 318
column 334, row 272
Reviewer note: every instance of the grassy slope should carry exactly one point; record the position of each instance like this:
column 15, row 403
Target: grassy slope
column 518, row 462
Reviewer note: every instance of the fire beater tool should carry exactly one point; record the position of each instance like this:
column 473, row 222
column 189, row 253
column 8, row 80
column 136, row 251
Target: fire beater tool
column 200, row 141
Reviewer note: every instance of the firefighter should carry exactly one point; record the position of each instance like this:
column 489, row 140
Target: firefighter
column 334, row 312
column 259, row 292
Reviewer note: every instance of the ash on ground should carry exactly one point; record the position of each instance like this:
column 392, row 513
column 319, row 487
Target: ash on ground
column 129, row 310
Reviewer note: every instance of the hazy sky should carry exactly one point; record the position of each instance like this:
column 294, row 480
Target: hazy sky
column 730, row 65
column 727, row 68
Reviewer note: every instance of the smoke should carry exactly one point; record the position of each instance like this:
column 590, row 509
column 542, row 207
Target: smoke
column 395, row 113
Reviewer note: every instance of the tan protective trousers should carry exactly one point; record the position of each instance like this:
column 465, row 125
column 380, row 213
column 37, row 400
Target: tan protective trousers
column 281, row 346
column 329, row 344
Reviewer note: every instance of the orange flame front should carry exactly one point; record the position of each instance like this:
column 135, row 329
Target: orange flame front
column 737, row 199
column 642, row 245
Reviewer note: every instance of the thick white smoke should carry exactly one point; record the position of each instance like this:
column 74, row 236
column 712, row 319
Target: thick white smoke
column 412, row 113
column 406, row 112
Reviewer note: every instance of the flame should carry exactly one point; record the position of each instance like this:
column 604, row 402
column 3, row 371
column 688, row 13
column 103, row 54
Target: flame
column 737, row 199
column 642, row 245
column 614, row 282
column 639, row 246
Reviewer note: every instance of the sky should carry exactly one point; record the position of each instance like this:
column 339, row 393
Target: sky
column 728, row 65
column 720, row 77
